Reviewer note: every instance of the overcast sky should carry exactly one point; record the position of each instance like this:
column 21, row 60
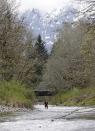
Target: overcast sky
column 43, row 5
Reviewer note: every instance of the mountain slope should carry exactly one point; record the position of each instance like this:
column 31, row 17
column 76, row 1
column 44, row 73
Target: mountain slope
column 47, row 24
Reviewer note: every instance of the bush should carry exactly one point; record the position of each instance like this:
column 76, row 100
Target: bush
column 76, row 97
column 13, row 93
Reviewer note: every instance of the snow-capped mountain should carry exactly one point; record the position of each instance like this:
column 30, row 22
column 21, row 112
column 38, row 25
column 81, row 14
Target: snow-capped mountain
column 48, row 24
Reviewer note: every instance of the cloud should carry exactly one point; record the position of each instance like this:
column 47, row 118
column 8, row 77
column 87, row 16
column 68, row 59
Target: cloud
column 43, row 5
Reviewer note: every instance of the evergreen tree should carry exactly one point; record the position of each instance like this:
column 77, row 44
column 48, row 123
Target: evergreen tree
column 36, row 57
column 40, row 49
column 40, row 59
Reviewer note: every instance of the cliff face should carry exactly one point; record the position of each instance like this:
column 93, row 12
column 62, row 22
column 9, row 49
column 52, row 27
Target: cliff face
column 48, row 25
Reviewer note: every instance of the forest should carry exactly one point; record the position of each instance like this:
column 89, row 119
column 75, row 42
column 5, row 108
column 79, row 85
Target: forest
column 25, row 64
column 22, row 58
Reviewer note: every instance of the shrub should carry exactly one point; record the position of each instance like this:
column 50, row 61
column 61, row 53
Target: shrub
column 15, row 94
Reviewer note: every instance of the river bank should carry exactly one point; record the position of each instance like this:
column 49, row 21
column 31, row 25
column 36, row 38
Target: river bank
column 56, row 118
column 4, row 110
column 75, row 97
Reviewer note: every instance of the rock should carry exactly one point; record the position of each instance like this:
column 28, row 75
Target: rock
column 52, row 120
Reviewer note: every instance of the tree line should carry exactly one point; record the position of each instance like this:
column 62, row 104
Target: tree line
column 72, row 61
column 21, row 57
column 25, row 59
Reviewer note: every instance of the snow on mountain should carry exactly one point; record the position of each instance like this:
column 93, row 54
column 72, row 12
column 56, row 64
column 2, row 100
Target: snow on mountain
column 48, row 24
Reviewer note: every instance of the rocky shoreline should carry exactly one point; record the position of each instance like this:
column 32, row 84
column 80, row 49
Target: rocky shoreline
column 6, row 109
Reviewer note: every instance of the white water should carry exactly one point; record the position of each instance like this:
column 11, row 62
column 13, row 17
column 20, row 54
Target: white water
column 53, row 119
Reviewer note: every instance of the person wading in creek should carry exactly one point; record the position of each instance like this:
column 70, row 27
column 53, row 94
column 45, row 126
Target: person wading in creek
column 46, row 104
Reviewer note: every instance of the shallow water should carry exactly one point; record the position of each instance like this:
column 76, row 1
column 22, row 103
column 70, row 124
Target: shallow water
column 54, row 119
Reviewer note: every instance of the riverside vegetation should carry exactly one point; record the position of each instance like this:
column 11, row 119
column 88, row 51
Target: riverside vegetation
column 70, row 70
column 25, row 65
column 22, row 58
column 75, row 97
column 15, row 94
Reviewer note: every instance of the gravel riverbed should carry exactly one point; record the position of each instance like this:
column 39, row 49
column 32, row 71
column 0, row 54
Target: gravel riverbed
column 6, row 109
column 56, row 118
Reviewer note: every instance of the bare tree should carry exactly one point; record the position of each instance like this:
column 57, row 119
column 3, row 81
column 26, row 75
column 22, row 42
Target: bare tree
column 70, row 64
